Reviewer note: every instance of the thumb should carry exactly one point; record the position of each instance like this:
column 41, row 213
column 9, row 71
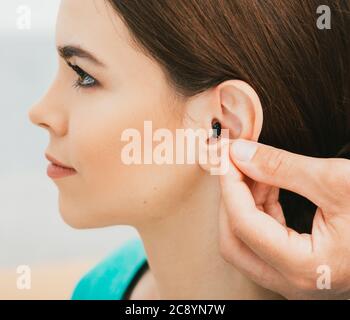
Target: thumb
column 304, row 175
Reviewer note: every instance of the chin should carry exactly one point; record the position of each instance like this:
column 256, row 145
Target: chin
column 83, row 219
column 74, row 217
column 74, row 221
column 80, row 215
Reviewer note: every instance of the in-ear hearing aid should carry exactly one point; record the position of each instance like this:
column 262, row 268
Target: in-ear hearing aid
column 216, row 125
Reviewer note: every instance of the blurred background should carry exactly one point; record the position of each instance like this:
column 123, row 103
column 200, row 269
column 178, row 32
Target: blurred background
column 32, row 232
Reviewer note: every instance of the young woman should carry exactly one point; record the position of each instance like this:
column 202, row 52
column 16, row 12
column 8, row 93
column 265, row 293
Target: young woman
column 261, row 69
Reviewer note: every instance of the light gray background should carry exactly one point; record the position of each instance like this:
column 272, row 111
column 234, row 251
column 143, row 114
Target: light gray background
column 31, row 229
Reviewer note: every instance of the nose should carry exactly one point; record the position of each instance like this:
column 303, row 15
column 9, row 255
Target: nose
column 34, row 117
column 48, row 114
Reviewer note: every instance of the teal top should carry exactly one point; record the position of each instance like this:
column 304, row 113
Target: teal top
column 113, row 277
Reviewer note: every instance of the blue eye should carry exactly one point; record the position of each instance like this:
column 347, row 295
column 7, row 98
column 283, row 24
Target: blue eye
column 84, row 80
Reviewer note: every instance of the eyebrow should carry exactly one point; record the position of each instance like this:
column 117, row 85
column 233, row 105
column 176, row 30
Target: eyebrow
column 69, row 51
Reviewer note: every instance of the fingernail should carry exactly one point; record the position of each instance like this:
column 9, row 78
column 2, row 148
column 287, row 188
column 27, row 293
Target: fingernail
column 243, row 150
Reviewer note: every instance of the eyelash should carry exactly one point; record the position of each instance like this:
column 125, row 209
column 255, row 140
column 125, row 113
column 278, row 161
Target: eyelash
column 83, row 76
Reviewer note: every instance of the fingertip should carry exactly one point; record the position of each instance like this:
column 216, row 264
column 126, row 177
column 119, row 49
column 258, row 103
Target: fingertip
column 243, row 150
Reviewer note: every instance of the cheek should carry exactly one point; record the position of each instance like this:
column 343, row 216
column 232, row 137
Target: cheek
column 106, row 191
column 85, row 199
column 95, row 146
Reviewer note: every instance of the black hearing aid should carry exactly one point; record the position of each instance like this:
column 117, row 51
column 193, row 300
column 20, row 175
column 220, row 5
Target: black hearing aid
column 216, row 125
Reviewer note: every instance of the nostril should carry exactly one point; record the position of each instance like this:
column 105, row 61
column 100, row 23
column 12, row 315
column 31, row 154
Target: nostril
column 43, row 125
column 48, row 119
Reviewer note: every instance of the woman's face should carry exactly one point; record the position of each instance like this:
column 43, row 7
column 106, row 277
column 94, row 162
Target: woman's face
column 85, row 124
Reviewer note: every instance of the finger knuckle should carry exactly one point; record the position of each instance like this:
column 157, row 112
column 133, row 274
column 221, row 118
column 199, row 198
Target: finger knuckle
column 274, row 161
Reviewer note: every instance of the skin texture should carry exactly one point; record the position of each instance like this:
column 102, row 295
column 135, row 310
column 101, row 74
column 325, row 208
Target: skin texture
column 174, row 207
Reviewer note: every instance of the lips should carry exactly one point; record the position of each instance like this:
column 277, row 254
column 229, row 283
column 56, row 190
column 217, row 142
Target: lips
column 57, row 169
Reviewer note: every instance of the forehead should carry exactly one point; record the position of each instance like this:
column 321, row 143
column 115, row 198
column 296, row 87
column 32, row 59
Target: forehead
column 94, row 25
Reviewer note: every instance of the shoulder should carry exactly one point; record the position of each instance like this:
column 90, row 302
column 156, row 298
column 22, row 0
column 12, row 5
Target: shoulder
column 110, row 278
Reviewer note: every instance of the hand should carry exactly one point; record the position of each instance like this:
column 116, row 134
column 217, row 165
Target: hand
column 254, row 236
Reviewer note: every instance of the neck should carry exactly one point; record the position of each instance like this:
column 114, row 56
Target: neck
column 183, row 252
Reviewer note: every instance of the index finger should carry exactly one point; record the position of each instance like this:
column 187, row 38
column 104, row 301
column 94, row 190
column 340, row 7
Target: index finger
column 280, row 246
column 324, row 181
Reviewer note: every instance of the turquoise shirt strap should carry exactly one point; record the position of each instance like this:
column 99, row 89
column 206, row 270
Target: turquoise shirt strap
column 110, row 278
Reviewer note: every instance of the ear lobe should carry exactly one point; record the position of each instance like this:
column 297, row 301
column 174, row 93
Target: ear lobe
column 214, row 153
column 241, row 110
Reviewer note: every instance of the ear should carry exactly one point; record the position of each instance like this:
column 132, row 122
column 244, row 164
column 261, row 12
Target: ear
column 239, row 105
column 236, row 105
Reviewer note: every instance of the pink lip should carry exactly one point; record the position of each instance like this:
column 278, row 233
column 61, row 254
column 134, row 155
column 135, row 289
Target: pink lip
column 57, row 169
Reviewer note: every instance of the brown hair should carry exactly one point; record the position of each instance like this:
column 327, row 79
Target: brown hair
column 299, row 71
